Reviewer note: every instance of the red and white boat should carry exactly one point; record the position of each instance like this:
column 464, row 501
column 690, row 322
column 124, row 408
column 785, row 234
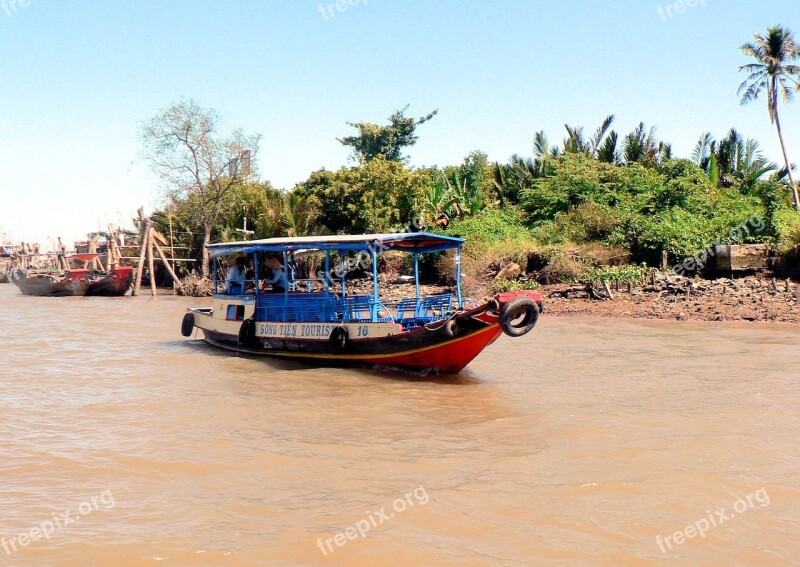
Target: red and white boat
column 74, row 282
column 314, row 318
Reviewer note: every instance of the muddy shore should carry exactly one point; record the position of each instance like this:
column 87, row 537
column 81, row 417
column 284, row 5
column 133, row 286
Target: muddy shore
column 687, row 299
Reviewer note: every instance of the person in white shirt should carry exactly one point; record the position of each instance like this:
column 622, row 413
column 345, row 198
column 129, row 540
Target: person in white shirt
column 236, row 276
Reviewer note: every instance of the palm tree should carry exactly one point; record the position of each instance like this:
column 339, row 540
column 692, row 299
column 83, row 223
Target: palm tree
column 640, row 145
column 300, row 215
column 596, row 141
column 702, row 152
column 775, row 74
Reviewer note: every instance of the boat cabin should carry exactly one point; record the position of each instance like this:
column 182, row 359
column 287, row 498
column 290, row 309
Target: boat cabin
column 304, row 280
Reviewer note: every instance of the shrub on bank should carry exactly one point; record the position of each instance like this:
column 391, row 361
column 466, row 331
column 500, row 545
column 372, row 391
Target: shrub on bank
column 787, row 230
column 673, row 207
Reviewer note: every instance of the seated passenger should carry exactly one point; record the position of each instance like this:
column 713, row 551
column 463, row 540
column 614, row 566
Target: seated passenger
column 277, row 277
column 250, row 282
column 236, row 277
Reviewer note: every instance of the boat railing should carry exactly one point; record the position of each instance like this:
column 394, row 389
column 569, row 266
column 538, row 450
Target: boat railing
column 436, row 306
column 321, row 307
column 223, row 287
column 297, row 307
column 362, row 307
column 412, row 311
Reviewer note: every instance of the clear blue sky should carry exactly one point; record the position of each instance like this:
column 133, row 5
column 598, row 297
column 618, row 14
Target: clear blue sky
column 79, row 77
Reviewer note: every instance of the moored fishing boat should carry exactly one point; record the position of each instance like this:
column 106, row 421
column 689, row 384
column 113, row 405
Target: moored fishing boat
column 278, row 310
column 6, row 253
column 74, row 282
column 52, row 284
column 114, row 283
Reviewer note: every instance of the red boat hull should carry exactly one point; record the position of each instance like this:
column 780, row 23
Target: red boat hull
column 425, row 348
column 115, row 283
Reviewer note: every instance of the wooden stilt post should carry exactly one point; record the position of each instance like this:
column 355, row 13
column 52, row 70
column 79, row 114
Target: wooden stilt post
column 102, row 266
column 112, row 248
column 92, row 250
column 63, row 255
column 150, row 239
column 145, row 233
column 170, row 271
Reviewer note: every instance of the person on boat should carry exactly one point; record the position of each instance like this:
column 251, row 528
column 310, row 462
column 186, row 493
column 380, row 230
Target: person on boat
column 277, row 275
column 250, row 282
column 237, row 276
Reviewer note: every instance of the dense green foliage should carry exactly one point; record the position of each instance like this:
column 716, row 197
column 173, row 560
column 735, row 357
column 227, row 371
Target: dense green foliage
column 571, row 208
column 377, row 196
column 672, row 207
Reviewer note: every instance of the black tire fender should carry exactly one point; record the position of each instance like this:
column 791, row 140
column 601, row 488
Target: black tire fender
column 451, row 328
column 338, row 340
column 187, row 325
column 518, row 307
column 247, row 332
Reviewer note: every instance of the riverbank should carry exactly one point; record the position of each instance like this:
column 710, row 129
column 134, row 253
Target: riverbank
column 674, row 298
column 745, row 299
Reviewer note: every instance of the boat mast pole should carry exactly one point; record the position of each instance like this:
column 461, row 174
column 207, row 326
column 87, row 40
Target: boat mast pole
column 285, row 287
column 216, row 274
column 256, row 279
column 345, row 314
column 416, row 278
column 458, row 277
column 375, row 294
column 326, row 279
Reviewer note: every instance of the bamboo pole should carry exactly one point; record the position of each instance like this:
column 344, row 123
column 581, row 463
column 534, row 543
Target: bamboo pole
column 92, row 250
column 112, row 248
column 150, row 239
column 170, row 271
column 63, row 255
column 142, row 250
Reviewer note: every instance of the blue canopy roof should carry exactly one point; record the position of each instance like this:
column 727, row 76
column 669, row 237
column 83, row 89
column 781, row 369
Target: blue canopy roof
column 402, row 241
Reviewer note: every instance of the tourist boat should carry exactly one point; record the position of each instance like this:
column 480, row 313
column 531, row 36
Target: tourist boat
column 314, row 318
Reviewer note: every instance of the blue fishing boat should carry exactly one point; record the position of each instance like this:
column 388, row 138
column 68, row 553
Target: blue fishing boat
column 293, row 301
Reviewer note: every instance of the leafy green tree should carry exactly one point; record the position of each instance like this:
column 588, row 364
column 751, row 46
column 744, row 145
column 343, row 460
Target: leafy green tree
column 376, row 196
column 260, row 203
column 774, row 73
column 193, row 159
column 300, row 215
column 387, row 141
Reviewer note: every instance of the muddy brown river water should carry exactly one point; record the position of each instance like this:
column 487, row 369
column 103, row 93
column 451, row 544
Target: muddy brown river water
column 586, row 442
